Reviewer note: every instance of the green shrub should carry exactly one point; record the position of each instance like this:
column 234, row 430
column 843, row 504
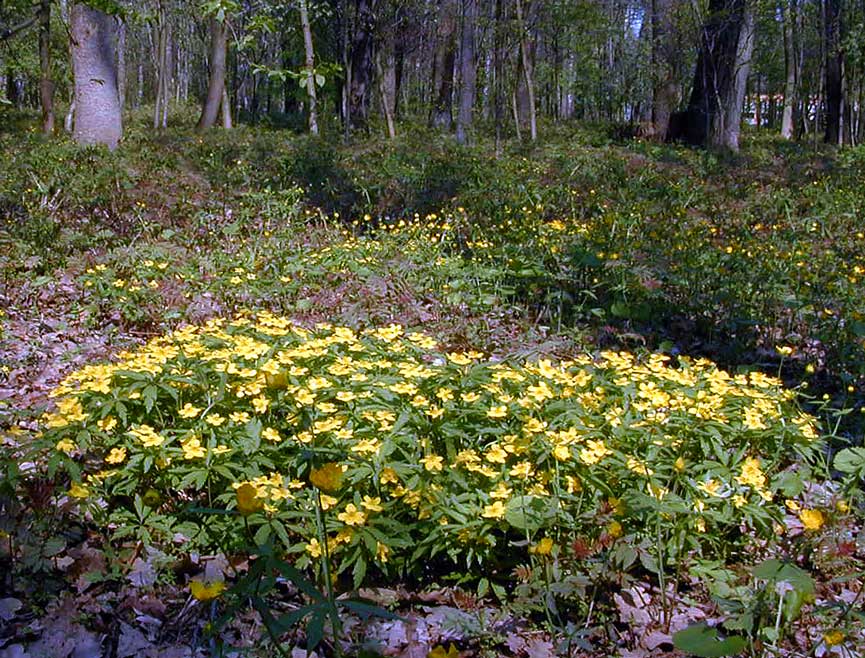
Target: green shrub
column 420, row 455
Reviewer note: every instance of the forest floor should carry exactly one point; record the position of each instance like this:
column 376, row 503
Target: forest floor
column 578, row 245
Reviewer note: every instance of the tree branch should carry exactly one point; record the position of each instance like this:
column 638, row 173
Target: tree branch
column 8, row 33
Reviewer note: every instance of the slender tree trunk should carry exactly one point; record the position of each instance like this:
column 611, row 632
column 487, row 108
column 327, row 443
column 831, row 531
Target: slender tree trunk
column 498, row 72
column 790, row 78
column 216, row 84
column 46, row 84
column 225, row 109
column 310, row 67
column 121, row 62
column 97, row 104
column 468, row 70
column 441, row 113
column 834, row 84
column 528, row 71
column 362, row 64
column 160, row 105
column 758, row 103
column 384, row 94
column 398, row 72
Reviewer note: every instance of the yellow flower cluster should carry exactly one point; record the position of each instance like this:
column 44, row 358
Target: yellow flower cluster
column 436, row 440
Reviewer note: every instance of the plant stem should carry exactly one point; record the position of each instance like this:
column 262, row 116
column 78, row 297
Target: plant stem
column 336, row 626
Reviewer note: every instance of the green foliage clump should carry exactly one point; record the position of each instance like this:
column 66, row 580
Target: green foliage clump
column 415, row 454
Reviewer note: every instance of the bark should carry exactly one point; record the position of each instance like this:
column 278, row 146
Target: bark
column 97, row 104
column 121, row 62
column 715, row 107
column 498, row 72
column 528, row 73
column 216, row 84
column 225, row 109
column 46, row 84
column 397, row 70
column 833, row 68
column 790, row 72
column 386, row 99
column 362, row 64
column 441, row 114
column 162, row 66
column 665, row 49
column 468, row 70
column 310, row 67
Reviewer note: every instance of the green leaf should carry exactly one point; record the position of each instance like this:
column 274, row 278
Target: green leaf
column 703, row 641
column 366, row 609
column 776, row 571
column 851, row 461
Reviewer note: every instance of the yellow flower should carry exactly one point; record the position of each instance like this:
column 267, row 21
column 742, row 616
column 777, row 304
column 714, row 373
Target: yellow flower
column 382, row 551
column 270, row 434
column 543, row 547
column 439, row 652
column 679, row 465
column 812, row 519
column 314, row 548
column 107, row 424
column 751, row 474
column 239, row 417
column 248, row 501
column 372, row 504
column 614, row 529
column 214, row 419
column 459, row 358
column 494, row 511
column 149, row 437
column 388, row 476
column 833, row 638
column 192, row 449
column 496, row 454
column 78, row 490
column 204, row 591
column 710, row 487
column 328, row 477
column 188, row 411
column 432, row 463
column 498, row 412
column 260, row 404
column 116, row 456
column 352, row 515
column 65, row 445
column 327, row 501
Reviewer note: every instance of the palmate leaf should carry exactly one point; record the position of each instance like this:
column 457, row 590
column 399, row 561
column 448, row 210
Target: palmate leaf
column 703, row 641
column 851, row 461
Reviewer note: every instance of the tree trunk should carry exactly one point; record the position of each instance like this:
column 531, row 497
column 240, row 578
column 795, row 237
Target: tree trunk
column 97, row 105
column 790, row 78
column 362, row 64
column 386, row 99
column 216, row 84
column 528, row 72
column 160, row 109
column 46, row 84
column 715, row 106
column 225, row 109
column 834, row 59
column 441, row 114
column 310, row 67
column 498, row 73
column 468, row 70
column 121, row 62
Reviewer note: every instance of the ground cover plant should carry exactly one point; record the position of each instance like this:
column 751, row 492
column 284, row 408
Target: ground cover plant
column 577, row 400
